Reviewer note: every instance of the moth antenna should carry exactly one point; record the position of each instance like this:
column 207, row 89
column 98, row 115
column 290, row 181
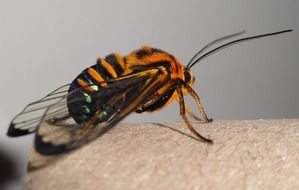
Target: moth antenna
column 214, row 42
column 233, row 43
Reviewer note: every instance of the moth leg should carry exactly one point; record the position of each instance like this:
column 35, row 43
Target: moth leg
column 198, row 103
column 191, row 114
column 183, row 114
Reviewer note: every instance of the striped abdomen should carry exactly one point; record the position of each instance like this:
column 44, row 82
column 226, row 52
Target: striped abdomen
column 111, row 67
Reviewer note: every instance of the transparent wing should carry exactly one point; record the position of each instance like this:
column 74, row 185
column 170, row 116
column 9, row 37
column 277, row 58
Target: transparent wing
column 122, row 96
column 27, row 121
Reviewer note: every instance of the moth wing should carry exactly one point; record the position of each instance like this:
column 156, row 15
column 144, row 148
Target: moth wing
column 28, row 120
column 126, row 95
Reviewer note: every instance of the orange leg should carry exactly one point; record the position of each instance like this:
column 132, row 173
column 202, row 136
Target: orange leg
column 199, row 105
column 191, row 114
column 183, row 114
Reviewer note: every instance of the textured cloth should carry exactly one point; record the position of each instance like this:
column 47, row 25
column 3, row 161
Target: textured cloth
column 257, row 154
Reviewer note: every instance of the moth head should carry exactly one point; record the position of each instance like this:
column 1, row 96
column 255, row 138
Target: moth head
column 188, row 77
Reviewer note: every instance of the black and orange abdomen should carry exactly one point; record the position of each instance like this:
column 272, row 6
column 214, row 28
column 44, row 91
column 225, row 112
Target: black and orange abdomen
column 87, row 84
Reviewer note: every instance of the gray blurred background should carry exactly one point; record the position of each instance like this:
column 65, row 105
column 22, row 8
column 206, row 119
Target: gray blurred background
column 45, row 44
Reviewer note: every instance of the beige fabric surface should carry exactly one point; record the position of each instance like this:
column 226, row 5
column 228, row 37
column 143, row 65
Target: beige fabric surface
column 257, row 154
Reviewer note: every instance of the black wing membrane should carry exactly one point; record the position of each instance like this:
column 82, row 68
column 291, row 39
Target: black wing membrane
column 28, row 120
column 122, row 96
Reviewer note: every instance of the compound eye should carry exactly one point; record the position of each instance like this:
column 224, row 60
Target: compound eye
column 187, row 76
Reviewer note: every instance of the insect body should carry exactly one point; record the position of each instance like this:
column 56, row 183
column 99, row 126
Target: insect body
column 100, row 96
column 146, row 61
